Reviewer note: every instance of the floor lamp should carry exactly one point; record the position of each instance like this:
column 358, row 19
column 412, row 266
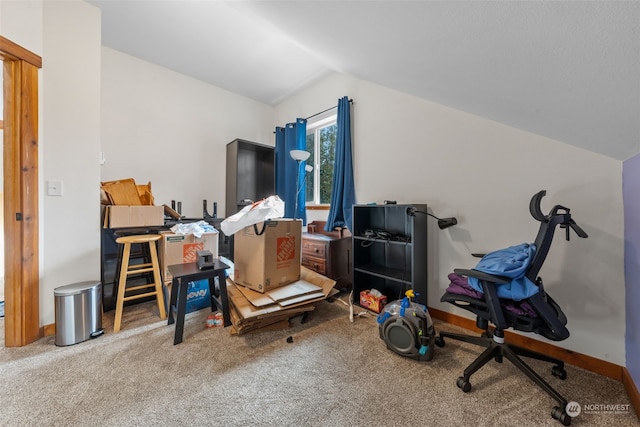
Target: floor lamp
column 300, row 156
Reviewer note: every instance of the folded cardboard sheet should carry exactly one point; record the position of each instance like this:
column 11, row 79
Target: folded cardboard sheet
column 251, row 310
column 275, row 322
column 246, row 318
column 300, row 291
column 122, row 192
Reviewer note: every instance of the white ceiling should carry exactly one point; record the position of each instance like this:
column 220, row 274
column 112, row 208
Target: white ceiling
column 567, row 70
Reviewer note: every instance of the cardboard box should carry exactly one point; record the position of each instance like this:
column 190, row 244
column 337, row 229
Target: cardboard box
column 270, row 257
column 198, row 295
column 116, row 216
column 373, row 303
column 182, row 249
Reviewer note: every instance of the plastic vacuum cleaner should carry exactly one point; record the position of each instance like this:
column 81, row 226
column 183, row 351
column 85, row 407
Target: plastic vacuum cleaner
column 407, row 329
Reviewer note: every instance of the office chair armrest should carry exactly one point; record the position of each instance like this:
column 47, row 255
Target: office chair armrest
column 488, row 283
column 499, row 280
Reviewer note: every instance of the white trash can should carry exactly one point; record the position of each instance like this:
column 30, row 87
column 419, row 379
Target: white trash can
column 78, row 312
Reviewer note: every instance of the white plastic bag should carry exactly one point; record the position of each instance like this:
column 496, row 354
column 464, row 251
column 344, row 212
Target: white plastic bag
column 269, row 208
column 195, row 228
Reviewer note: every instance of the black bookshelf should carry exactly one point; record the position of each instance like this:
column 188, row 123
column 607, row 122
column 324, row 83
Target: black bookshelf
column 390, row 251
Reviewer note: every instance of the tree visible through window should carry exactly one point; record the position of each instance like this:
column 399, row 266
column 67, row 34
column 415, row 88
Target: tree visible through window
column 321, row 143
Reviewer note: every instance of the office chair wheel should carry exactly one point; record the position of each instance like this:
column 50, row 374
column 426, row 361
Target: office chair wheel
column 559, row 371
column 439, row 342
column 463, row 384
column 561, row 415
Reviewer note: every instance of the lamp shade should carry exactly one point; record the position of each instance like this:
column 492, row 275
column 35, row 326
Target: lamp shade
column 299, row 155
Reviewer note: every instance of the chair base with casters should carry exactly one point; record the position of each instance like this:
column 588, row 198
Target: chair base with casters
column 486, row 292
column 497, row 349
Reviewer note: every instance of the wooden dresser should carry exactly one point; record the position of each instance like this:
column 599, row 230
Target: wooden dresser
column 328, row 253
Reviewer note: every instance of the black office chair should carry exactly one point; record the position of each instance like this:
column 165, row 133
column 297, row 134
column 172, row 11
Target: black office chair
column 548, row 320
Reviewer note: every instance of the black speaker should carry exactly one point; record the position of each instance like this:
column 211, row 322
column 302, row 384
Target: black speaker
column 407, row 329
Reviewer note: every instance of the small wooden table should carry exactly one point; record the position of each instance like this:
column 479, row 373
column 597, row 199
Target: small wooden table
column 185, row 273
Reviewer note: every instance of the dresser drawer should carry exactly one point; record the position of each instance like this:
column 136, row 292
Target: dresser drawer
column 318, row 265
column 313, row 248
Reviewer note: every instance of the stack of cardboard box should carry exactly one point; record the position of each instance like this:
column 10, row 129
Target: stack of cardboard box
column 268, row 286
column 127, row 204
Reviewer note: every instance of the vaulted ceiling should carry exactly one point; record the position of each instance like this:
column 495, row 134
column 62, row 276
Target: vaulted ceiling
column 567, row 70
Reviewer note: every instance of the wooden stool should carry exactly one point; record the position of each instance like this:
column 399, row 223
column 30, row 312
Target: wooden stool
column 127, row 269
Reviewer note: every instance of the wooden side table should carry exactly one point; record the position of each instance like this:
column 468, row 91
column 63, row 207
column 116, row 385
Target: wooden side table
column 185, row 273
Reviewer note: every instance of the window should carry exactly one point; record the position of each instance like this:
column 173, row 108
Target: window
column 321, row 143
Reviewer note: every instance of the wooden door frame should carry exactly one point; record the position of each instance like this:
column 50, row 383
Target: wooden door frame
column 20, row 167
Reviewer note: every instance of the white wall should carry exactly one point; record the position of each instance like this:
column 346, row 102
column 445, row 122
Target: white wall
column 21, row 22
column 172, row 130
column 66, row 34
column 70, row 99
column 484, row 173
column 1, row 218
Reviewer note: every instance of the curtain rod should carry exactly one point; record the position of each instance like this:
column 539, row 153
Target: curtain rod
column 324, row 111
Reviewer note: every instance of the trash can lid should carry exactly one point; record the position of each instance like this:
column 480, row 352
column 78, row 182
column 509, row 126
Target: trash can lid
column 76, row 288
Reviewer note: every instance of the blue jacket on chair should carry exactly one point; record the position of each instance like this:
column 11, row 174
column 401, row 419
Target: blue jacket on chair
column 512, row 263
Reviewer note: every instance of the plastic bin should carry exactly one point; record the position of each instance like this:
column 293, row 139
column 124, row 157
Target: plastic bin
column 78, row 312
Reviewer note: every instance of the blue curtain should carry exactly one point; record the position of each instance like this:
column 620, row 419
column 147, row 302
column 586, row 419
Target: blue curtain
column 343, row 194
column 289, row 174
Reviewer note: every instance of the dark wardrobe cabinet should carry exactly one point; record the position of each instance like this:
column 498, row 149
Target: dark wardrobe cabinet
column 250, row 174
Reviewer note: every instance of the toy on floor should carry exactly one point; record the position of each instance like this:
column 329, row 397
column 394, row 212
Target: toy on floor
column 407, row 329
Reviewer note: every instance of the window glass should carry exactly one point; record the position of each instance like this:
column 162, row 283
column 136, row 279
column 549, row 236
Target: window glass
column 321, row 143
column 309, row 181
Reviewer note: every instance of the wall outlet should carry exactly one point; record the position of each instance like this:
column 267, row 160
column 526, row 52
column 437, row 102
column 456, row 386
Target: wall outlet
column 54, row 188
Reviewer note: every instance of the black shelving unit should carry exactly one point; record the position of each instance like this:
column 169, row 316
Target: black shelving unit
column 250, row 174
column 390, row 251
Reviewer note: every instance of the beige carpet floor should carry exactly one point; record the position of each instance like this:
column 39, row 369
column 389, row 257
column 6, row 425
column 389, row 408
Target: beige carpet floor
column 326, row 371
